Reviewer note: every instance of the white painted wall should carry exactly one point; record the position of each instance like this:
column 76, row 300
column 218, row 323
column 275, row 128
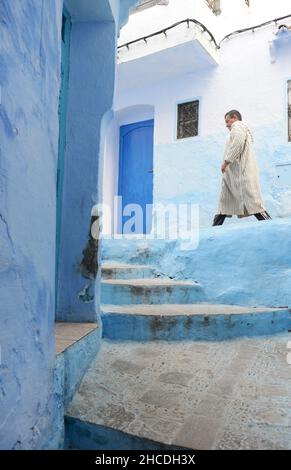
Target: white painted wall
column 246, row 79
column 235, row 15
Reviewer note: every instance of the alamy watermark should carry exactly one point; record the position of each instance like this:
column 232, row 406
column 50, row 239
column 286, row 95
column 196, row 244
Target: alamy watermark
column 153, row 221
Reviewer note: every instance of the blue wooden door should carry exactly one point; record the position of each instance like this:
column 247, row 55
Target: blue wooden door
column 136, row 176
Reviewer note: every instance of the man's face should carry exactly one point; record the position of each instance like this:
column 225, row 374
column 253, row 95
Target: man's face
column 229, row 121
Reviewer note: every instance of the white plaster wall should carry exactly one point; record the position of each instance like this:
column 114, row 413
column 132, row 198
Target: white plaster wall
column 156, row 18
column 189, row 169
column 110, row 173
column 245, row 79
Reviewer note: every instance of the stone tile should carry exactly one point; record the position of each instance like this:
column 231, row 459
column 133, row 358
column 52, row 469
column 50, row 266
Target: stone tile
column 236, row 439
column 272, row 417
column 127, row 367
column 176, row 414
column 258, row 413
column 223, row 387
column 161, row 398
column 202, row 380
column 238, row 366
column 197, row 348
column 211, row 405
column 253, row 438
column 154, row 428
column 253, row 390
column 175, row 377
column 275, row 390
column 111, row 415
column 115, row 416
column 145, row 353
column 198, row 433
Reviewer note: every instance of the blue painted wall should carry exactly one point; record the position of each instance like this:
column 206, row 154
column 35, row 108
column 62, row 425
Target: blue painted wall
column 90, row 96
column 91, row 86
column 30, row 79
column 30, row 49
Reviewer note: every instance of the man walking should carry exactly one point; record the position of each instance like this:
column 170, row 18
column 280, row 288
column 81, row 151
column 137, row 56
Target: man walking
column 240, row 189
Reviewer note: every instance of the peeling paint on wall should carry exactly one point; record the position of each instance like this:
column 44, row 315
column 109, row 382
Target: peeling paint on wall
column 89, row 264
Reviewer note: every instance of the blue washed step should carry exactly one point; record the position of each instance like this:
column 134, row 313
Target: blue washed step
column 115, row 270
column 191, row 322
column 150, row 291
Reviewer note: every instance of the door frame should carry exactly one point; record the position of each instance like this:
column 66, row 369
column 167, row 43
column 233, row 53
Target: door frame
column 129, row 127
column 62, row 112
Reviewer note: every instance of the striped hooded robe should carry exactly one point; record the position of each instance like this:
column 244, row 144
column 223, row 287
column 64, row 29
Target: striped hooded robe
column 240, row 189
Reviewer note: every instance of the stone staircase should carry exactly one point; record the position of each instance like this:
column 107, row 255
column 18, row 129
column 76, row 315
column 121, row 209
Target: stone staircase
column 140, row 304
column 177, row 371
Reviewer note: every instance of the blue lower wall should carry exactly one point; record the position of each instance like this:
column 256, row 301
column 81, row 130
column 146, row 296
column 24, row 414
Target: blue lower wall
column 81, row 435
column 195, row 328
column 70, row 368
column 243, row 264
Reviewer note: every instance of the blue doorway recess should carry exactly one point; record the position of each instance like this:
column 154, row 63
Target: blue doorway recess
column 136, row 176
column 63, row 100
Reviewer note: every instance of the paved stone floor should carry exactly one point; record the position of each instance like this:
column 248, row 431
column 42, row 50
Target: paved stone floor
column 200, row 395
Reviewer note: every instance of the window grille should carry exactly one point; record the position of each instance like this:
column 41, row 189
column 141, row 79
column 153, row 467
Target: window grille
column 187, row 122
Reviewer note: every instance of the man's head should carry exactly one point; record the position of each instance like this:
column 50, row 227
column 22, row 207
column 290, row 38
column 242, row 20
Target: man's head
column 231, row 117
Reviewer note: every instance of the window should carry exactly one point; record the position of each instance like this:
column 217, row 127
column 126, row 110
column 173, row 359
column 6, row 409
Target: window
column 215, row 6
column 289, row 110
column 187, row 125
